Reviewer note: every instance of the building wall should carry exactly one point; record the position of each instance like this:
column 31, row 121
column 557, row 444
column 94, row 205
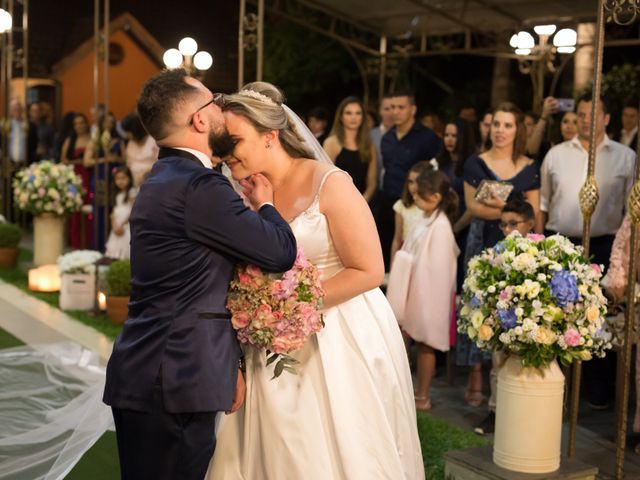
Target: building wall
column 125, row 80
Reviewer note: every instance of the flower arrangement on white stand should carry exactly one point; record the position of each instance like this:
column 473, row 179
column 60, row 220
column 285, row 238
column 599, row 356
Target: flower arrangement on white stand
column 48, row 191
column 77, row 287
column 537, row 299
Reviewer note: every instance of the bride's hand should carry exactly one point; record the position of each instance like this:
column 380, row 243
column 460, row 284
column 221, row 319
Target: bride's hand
column 241, row 390
column 257, row 189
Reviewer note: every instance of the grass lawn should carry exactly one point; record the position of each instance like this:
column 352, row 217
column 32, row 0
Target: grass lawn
column 100, row 462
column 20, row 279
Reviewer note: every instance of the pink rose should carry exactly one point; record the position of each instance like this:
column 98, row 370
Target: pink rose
column 535, row 237
column 504, row 295
column 240, row 320
column 244, row 278
column 596, row 268
column 572, row 337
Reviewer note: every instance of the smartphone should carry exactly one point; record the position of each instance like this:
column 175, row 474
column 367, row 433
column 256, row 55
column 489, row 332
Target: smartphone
column 566, row 104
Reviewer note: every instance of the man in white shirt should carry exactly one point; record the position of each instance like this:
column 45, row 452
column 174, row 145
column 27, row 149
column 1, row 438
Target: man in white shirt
column 629, row 133
column 563, row 174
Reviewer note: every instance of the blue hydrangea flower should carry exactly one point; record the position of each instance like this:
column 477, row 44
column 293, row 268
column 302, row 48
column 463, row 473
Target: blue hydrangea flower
column 475, row 302
column 508, row 318
column 500, row 247
column 564, row 288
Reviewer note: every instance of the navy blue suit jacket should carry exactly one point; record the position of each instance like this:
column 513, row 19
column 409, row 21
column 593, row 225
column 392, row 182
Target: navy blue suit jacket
column 189, row 229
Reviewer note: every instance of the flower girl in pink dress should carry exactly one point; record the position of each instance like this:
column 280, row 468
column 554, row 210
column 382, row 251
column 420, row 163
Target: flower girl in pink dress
column 423, row 277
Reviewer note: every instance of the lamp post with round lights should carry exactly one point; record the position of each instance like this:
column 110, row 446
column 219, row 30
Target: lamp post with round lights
column 538, row 59
column 188, row 57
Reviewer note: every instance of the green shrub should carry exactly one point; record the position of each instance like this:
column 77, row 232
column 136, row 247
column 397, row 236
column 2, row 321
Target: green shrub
column 10, row 235
column 119, row 279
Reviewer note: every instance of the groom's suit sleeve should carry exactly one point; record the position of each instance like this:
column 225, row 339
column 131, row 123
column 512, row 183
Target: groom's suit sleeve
column 216, row 216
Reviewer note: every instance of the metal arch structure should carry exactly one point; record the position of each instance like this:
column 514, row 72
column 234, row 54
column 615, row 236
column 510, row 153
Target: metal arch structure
column 378, row 34
column 7, row 61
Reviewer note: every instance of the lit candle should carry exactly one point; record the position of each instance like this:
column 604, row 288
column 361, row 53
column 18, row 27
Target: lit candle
column 102, row 301
column 44, row 279
column 34, row 278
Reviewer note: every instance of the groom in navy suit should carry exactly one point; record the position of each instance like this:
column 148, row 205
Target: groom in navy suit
column 176, row 362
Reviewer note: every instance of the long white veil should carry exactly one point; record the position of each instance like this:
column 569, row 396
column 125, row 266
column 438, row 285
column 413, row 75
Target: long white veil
column 51, row 409
column 305, row 135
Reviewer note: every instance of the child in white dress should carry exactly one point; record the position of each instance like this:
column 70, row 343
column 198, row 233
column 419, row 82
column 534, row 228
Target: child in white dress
column 426, row 264
column 407, row 214
column 117, row 245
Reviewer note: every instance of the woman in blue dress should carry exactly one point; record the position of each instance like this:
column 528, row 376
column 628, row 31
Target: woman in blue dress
column 504, row 161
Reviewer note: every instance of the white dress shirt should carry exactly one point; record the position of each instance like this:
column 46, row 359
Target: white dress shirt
column 203, row 157
column 563, row 174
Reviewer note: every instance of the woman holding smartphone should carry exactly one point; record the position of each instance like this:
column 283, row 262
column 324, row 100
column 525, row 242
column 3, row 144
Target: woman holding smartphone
column 504, row 161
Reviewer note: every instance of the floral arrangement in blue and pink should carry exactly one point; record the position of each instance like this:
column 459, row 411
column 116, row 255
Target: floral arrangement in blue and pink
column 277, row 312
column 47, row 187
column 536, row 297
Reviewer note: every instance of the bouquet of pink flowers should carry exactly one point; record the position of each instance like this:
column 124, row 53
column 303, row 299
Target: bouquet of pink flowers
column 277, row 312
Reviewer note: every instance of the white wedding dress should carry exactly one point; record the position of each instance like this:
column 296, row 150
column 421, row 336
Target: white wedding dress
column 349, row 414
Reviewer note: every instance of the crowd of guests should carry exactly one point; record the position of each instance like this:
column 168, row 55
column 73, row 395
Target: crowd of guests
column 422, row 180
column 111, row 157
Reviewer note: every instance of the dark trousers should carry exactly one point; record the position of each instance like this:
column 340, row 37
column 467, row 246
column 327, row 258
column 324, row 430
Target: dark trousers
column 599, row 373
column 386, row 227
column 157, row 445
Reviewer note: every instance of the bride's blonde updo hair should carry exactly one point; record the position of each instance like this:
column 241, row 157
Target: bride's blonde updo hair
column 261, row 104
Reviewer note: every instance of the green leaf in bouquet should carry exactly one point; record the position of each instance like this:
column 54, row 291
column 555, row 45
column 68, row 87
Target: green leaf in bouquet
column 271, row 357
column 279, row 368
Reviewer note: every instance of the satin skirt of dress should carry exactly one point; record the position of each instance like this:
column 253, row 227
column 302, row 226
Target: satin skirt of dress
column 348, row 414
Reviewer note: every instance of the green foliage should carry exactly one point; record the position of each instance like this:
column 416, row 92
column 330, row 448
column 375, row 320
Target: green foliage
column 621, row 84
column 119, row 278
column 10, row 235
column 304, row 63
column 437, row 437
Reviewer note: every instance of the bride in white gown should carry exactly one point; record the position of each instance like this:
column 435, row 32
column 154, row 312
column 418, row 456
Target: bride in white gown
column 349, row 413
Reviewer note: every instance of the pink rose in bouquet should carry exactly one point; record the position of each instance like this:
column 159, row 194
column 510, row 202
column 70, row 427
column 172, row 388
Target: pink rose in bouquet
column 277, row 312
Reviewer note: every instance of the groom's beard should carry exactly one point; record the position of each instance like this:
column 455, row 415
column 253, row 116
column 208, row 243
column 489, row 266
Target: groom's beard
column 221, row 143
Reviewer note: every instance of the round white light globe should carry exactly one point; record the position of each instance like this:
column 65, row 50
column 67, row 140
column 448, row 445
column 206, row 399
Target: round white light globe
column 6, row 22
column 523, row 51
column 188, row 46
column 203, row 61
column 567, row 37
column 525, row 40
column 172, row 58
column 544, row 29
column 513, row 42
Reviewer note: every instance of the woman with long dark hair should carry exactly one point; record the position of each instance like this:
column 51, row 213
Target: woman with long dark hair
column 349, row 146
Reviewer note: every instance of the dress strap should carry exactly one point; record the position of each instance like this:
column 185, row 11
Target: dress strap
column 324, row 179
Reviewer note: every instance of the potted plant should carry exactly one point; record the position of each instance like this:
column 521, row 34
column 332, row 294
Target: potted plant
column 48, row 191
column 10, row 236
column 536, row 299
column 118, row 291
column 77, row 279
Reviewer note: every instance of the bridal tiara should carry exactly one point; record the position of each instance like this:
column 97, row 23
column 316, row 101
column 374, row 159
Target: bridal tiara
column 257, row 96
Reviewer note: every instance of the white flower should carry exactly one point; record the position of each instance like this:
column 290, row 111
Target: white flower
column 476, row 319
column 519, row 311
column 491, row 289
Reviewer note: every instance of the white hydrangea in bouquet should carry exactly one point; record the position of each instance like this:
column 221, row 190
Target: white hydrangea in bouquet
column 78, row 261
column 47, row 187
column 535, row 297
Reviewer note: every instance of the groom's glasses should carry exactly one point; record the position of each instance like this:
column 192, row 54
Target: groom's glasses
column 218, row 99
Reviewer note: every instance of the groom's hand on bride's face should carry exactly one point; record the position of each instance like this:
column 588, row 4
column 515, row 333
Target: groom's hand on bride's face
column 257, row 189
column 241, row 390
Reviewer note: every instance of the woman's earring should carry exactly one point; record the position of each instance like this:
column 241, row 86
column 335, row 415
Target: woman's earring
column 268, row 145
